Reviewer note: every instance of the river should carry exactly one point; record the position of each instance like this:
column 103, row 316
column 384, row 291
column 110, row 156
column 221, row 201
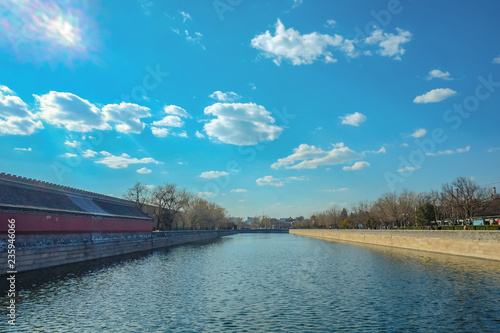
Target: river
column 263, row 283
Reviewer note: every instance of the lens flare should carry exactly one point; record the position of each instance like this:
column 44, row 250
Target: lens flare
column 45, row 30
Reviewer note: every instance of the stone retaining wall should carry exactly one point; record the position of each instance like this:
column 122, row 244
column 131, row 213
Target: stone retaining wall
column 42, row 251
column 470, row 243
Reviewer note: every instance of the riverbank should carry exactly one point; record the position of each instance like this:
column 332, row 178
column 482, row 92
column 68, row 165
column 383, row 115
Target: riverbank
column 476, row 244
column 43, row 251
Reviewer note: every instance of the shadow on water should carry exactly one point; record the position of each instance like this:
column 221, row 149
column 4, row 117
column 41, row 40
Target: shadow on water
column 36, row 278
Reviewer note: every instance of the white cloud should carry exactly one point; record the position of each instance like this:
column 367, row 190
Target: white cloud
column 73, row 144
column 122, row 161
column 409, row 168
column 15, row 118
column 304, row 49
column 241, row 124
column 496, row 60
column 68, row 155
column 144, row 170
column 404, row 144
column 176, row 111
column 199, row 135
column 297, row 3
column 271, row 181
column 419, row 133
column 185, row 16
column 213, row 174
column 357, row 166
column 205, row 194
column 252, row 86
column 182, row 134
column 127, row 116
column 434, row 96
column 437, row 74
column 337, row 190
column 6, row 90
column 300, row 49
column 22, row 149
column 169, row 121
column 493, row 149
column 353, row 119
column 450, row 152
column 330, row 23
column 70, row 111
column 389, row 43
column 159, row 132
column 224, row 97
column 311, row 157
column 89, row 153
column 239, row 190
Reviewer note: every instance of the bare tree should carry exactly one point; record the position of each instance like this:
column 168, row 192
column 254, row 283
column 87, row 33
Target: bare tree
column 138, row 193
column 169, row 201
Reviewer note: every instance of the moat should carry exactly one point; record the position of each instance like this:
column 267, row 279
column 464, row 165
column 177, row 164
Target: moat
column 263, row 283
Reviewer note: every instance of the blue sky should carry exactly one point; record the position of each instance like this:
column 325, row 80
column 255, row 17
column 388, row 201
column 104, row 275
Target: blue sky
column 277, row 107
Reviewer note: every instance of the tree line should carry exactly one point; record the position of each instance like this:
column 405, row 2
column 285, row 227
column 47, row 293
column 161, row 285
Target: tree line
column 174, row 208
column 458, row 202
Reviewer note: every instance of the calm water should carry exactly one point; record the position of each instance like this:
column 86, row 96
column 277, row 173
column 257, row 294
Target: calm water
column 265, row 283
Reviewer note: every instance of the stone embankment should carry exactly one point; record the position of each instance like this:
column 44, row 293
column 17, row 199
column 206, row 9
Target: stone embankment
column 42, row 251
column 477, row 244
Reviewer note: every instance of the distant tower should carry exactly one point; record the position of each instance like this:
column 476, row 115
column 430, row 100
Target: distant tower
column 494, row 192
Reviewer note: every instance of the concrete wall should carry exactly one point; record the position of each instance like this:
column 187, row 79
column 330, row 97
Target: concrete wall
column 42, row 251
column 470, row 243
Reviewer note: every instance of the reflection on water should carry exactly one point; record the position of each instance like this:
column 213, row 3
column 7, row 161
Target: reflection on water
column 265, row 283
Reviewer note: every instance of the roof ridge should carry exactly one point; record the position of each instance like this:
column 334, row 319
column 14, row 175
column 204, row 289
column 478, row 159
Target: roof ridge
column 57, row 187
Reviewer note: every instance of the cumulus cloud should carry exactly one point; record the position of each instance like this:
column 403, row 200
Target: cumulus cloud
column 224, row 96
column 73, row 144
column 419, row 133
column 15, row 118
column 409, row 168
column 239, row 190
column 389, row 43
column 271, row 181
column 169, row 121
column 127, row 116
column 300, row 49
column 173, row 119
column 213, row 174
column 159, row 132
column 23, row 149
column 89, row 153
column 437, row 74
column 450, row 152
column 353, row 119
column 303, row 49
column 122, row 161
column 199, row 135
column 310, row 157
column 337, row 190
column 176, row 111
column 434, row 96
column 241, row 124
column 357, row 166
column 496, row 60
column 70, row 111
column 144, row 170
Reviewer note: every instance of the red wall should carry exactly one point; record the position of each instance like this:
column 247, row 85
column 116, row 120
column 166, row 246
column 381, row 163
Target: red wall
column 42, row 223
